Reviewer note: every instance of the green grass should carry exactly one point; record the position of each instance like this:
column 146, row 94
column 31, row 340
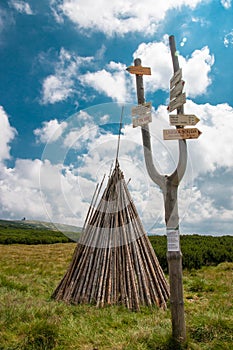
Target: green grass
column 29, row 319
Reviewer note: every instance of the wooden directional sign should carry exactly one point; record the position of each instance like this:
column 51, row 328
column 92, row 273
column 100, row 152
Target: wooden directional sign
column 176, row 78
column 139, row 70
column 181, row 134
column 183, row 119
column 140, row 121
column 142, row 109
column 176, row 90
column 177, row 102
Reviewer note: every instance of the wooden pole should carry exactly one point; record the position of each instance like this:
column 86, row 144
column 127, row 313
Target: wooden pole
column 169, row 186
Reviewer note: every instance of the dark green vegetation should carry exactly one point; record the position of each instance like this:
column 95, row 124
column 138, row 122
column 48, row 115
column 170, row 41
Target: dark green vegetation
column 30, row 320
column 197, row 250
column 27, row 232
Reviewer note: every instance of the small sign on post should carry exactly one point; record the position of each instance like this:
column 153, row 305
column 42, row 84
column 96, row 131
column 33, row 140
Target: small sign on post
column 143, row 111
column 139, row 70
column 140, row 121
column 173, row 240
column 140, row 110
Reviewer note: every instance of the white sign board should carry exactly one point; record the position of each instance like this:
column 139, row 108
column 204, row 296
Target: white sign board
column 141, row 110
column 140, row 121
column 173, row 240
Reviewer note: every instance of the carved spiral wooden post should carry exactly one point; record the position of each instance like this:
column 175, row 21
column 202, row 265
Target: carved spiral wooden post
column 169, row 186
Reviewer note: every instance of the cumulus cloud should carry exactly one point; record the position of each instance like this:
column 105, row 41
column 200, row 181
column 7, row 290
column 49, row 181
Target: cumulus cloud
column 117, row 17
column 50, row 131
column 7, row 134
column 60, row 85
column 226, row 4
column 157, row 55
column 21, row 6
column 228, row 39
column 214, row 147
column 111, row 81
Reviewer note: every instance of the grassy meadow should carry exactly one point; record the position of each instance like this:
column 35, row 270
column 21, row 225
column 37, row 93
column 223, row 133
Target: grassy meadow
column 30, row 320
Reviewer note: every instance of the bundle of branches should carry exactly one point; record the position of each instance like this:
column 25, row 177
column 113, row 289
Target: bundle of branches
column 114, row 262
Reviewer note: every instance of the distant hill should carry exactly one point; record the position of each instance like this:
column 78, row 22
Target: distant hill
column 36, row 232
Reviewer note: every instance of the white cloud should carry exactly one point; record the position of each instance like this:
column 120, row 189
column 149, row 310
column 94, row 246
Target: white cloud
column 228, row 39
column 78, row 138
column 116, row 16
column 21, row 6
column 157, row 56
column 60, row 85
column 50, row 131
column 226, row 4
column 195, row 69
column 111, row 81
column 214, row 147
column 7, row 134
column 67, row 188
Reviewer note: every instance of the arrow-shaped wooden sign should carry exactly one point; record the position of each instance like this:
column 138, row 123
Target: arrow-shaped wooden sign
column 181, row 134
column 177, row 102
column 176, row 78
column 183, row 119
column 139, row 70
column 176, row 90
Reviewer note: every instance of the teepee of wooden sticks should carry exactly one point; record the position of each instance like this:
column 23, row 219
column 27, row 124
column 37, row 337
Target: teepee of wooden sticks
column 114, row 262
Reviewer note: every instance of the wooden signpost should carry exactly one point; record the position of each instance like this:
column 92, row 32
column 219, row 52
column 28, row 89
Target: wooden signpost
column 183, row 119
column 169, row 183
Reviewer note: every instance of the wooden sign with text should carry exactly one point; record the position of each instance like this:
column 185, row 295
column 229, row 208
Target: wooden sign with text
column 181, row 134
column 183, row 119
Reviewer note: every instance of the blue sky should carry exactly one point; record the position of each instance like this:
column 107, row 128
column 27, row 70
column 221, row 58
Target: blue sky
column 63, row 81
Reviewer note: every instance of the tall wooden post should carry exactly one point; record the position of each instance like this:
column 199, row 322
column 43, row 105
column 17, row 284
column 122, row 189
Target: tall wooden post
column 169, row 186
